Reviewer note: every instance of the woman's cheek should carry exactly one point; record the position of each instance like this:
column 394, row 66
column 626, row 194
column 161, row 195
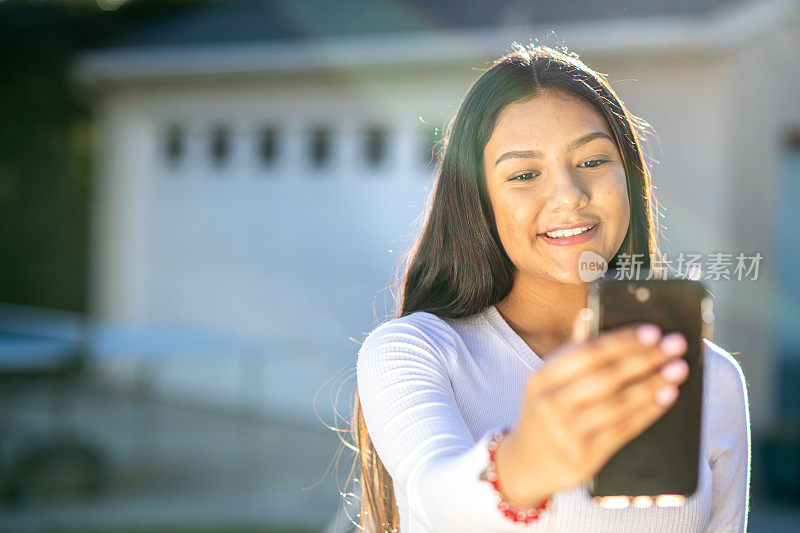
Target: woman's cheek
column 622, row 185
column 520, row 217
column 618, row 206
column 514, row 232
column 613, row 196
column 505, row 231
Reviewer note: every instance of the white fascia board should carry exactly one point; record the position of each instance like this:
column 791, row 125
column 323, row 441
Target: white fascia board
column 631, row 37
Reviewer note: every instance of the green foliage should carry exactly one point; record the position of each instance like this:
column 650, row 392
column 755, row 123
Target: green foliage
column 45, row 142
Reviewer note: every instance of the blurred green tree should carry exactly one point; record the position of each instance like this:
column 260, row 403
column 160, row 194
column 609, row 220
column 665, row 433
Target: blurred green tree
column 45, row 141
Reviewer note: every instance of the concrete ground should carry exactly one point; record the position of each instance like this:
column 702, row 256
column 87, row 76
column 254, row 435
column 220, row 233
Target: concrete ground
column 177, row 466
column 180, row 467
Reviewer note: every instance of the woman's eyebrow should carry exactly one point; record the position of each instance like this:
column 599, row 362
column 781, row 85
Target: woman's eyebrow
column 536, row 154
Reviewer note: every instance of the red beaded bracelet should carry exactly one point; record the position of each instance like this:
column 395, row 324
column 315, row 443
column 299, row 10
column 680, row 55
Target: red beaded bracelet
column 509, row 510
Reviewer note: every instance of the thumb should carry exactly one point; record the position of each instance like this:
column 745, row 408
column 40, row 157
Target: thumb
column 582, row 325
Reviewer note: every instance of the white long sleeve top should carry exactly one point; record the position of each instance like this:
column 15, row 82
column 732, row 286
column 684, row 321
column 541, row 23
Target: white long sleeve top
column 433, row 391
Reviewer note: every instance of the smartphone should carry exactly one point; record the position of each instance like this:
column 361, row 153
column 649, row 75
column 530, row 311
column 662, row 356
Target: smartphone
column 661, row 465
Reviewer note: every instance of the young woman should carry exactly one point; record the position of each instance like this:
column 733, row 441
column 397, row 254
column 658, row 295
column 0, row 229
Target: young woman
column 484, row 405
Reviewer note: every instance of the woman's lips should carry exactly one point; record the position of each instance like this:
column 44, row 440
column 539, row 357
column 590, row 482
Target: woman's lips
column 575, row 239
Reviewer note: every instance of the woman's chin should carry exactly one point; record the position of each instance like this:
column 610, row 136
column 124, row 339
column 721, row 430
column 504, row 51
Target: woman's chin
column 566, row 275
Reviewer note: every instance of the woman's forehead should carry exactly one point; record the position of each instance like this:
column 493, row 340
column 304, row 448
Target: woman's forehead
column 545, row 120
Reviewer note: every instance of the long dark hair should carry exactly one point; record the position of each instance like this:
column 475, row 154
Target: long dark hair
column 457, row 266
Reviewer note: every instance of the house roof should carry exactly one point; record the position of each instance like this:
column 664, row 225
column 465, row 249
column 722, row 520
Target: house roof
column 254, row 37
column 238, row 21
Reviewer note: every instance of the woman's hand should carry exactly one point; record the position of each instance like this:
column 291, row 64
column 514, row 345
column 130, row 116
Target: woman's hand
column 591, row 398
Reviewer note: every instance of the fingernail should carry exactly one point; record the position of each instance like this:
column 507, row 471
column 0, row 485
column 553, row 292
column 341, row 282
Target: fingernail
column 666, row 395
column 673, row 344
column 675, row 370
column 648, row 334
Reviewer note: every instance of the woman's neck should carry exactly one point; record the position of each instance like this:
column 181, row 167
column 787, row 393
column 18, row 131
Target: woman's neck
column 542, row 312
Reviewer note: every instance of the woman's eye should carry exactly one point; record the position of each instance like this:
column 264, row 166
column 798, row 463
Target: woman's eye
column 594, row 163
column 527, row 176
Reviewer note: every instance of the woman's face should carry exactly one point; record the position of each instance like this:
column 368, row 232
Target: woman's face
column 551, row 162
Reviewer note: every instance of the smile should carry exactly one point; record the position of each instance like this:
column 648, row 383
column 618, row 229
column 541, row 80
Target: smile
column 562, row 238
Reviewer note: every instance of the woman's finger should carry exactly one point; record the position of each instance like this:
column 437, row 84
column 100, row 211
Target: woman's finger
column 608, row 440
column 577, row 360
column 607, row 382
column 581, row 325
column 623, row 404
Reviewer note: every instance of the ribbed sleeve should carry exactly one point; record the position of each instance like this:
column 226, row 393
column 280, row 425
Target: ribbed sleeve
column 729, row 447
column 418, row 431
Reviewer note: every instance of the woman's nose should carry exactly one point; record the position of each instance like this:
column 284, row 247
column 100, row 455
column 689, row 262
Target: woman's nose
column 567, row 192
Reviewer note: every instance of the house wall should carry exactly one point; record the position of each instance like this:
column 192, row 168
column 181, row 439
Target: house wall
column 294, row 257
column 301, row 258
column 764, row 83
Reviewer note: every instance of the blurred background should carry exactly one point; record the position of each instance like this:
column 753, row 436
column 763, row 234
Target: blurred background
column 203, row 205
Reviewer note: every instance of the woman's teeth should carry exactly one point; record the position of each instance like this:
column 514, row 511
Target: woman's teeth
column 568, row 232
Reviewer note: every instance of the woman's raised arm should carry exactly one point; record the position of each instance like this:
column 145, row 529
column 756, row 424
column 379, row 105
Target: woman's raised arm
column 419, row 432
column 589, row 400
